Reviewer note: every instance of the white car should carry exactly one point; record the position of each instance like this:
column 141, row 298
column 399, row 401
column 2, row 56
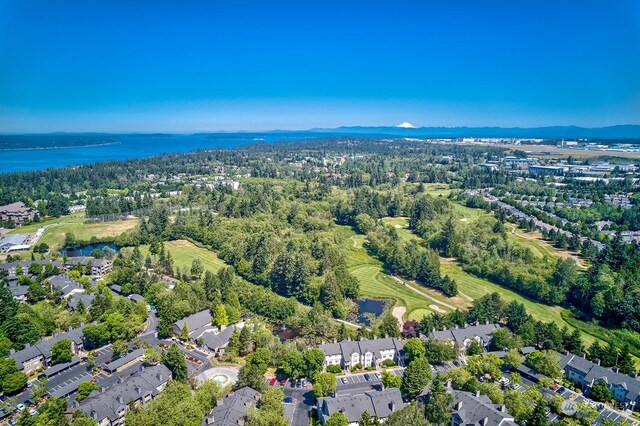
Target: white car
column 33, row 412
column 21, row 407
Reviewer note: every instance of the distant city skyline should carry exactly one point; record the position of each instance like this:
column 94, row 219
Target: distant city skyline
column 160, row 66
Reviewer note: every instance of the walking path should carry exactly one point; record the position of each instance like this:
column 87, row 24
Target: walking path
column 423, row 294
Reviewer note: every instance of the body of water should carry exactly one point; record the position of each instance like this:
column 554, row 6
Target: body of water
column 369, row 307
column 126, row 147
column 85, row 250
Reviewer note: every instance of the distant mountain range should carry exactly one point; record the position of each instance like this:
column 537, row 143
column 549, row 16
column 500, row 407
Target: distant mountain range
column 404, row 129
column 626, row 131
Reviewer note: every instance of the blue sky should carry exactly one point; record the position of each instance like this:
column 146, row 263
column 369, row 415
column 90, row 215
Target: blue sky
column 253, row 65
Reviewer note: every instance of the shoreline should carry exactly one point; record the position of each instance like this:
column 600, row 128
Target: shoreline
column 60, row 147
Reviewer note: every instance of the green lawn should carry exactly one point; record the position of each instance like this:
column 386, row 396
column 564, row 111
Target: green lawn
column 184, row 252
column 474, row 287
column 437, row 189
column 374, row 283
column 57, row 228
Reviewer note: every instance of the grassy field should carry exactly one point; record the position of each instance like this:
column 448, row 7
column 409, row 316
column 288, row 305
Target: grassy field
column 57, row 228
column 184, row 252
column 472, row 287
column 374, row 282
column 541, row 248
column 437, row 189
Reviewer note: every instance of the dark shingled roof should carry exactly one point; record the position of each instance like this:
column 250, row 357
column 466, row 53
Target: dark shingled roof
column 232, row 408
column 478, row 410
column 376, row 403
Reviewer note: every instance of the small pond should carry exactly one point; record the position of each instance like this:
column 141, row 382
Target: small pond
column 86, row 249
column 285, row 334
column 368, row 308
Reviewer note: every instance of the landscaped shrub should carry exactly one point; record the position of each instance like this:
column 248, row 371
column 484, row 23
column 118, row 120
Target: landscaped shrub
column 333, row 368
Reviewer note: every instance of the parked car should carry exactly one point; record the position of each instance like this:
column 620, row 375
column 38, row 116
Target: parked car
column 304, row 383
column 560, row 389
column 272, row 381
column 33, row 412
column 378, row 376
column 367, row 377
column 283, row 382
column 344, row 380
column 299, row 383
column 288, row 400
column 21, row 407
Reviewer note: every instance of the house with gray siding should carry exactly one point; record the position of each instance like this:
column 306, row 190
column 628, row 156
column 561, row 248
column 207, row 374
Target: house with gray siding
column 585, row 373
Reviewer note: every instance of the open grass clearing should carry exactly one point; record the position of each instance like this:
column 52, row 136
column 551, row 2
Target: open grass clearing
column 535, row 242
column 185, row 252
column 374, row 282
column 76, row 224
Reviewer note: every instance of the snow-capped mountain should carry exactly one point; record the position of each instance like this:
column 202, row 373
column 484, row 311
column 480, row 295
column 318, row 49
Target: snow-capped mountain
column 405, row 125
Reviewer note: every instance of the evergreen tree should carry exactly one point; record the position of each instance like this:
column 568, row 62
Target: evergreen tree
column 626, row 364
column 538, row 417
column 438, row 407
column 184, row 332
column 246, row 342
column 175, row 361
column 234, row 342
column 573, row 342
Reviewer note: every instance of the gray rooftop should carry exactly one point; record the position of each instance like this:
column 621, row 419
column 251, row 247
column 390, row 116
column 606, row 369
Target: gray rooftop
column 75, row 299
column 346, row 348
column 232, row 408
column 18, row 207
column 376, row 403
column 472, row 409
column 216, row 341
column 43, row 347
column 469, row 332
column 194, row 322
column 594, row 372
column 125, row 359
column 66, row 285
column 113, row 402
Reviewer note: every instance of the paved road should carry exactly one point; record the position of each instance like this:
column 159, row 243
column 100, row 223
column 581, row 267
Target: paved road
column 152, row 323
column 302, row 401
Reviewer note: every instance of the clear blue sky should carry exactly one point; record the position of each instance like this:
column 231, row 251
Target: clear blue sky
column 137, row 65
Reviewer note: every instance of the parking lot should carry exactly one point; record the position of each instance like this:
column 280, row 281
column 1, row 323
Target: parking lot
column 605, row 412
